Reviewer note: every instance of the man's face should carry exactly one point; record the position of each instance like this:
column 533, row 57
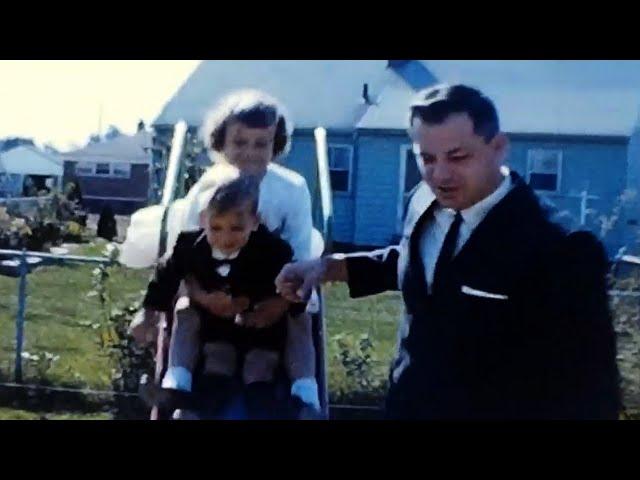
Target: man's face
column 230, row 231
column 458, row 165
column 249, row 149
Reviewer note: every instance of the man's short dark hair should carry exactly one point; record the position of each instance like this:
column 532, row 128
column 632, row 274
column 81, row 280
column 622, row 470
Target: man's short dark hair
column 254, row 109
column 234, row 194
column 435, row 104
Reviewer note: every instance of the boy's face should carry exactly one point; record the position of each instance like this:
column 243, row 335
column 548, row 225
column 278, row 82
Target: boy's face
column 249, row 149
column 230, row 231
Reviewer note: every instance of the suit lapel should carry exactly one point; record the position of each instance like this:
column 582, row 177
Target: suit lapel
column 414, row 284
column 501, row 222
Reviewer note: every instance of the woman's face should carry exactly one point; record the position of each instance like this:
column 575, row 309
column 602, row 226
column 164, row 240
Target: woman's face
column 249, row 149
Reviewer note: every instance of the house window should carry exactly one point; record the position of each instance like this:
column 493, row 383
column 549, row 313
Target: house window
column 84, row 169
column 340, row 163
column 114, row 170
column 121, row 170
column 410, row 178
column 103, row 169
column 544, row 168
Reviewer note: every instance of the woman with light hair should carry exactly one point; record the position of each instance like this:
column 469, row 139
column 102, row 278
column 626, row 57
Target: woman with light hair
column 251, row 130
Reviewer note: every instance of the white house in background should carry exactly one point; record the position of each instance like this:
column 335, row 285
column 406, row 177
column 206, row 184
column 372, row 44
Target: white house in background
column 28, row 164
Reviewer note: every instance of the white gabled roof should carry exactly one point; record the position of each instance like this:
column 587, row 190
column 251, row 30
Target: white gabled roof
column 316, row 92
column 124, row 148
column 391, row 109
column 594, row 97
column 551, row 97
column 28, row 160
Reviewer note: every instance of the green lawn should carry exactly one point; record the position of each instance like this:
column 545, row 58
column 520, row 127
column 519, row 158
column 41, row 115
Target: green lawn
column 377, row 317
column 11, row 414
column 58, row 320
column 59, row 316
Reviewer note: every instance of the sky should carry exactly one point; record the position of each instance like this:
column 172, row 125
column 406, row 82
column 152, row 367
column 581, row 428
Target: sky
column 63, row 102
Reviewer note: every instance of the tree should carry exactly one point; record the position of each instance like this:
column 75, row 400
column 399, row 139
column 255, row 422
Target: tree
column 47, row 147
column 13, row 142
column 112, row 132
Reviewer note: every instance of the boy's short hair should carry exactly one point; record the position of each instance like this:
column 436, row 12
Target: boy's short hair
column 227, row 188
column 253, row 108
column 435, row 104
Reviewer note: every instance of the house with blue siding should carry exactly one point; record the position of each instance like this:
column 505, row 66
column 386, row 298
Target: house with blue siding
column 573, row 127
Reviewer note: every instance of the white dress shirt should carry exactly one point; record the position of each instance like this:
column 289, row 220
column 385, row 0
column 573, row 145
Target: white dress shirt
column 436, row 229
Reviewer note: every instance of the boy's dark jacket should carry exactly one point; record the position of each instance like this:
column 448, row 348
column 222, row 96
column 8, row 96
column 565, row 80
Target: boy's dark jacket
column 252, row 273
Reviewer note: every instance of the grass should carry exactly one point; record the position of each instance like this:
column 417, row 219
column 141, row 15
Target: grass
column 12, row 414
column 59, row 316
column 58, row 320
column 375, row 317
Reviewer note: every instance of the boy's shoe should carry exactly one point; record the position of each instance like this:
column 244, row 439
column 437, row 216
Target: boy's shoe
column 303, row 411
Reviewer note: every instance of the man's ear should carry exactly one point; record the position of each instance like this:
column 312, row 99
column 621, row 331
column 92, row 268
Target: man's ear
column 258, row 222
column 500, row 143
column 203, row 218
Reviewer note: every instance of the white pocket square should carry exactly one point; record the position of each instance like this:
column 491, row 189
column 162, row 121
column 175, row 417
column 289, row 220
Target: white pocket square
column 479, row 293
column 224, row 269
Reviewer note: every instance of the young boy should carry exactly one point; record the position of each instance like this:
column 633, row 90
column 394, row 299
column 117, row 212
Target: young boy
column 235, row 260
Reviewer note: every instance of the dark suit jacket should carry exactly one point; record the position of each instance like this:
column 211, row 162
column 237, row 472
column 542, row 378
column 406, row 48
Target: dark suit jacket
column 522, row 329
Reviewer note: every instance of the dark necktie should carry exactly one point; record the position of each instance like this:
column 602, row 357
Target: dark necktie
column 446, row 253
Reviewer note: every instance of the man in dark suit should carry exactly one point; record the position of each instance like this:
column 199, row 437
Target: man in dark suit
column 506, row 314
